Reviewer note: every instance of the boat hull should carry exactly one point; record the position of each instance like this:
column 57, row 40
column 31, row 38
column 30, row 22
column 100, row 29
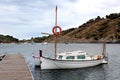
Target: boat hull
column 67, row 64
column 37, row 62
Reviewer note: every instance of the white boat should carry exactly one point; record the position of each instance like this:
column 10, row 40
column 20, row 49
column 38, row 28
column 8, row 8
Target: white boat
column 45, row 43
column 68, row 60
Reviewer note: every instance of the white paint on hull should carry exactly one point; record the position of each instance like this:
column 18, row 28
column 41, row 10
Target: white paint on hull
column 60, row 64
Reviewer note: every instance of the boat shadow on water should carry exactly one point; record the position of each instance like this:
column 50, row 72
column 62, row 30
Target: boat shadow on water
column 91, row 73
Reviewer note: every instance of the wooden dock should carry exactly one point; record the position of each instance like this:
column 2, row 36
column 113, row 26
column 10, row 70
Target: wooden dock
column 14, row 67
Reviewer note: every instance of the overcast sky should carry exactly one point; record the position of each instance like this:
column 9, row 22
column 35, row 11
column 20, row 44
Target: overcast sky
column 24, row 19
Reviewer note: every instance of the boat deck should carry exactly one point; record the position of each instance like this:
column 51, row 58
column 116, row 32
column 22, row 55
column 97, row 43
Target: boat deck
column 14, row 67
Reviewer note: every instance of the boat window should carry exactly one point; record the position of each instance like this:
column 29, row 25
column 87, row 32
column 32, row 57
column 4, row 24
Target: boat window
column 70, row 57
column 60, row 57
column 81, row 57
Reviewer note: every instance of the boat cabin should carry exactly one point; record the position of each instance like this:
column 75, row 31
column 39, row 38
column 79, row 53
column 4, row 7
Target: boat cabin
column 75, row 55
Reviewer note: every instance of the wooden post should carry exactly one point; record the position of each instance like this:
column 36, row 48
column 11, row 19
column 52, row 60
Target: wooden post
column 40, row 53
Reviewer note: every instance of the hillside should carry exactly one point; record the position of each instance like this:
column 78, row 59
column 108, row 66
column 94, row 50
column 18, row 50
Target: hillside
column 95, row 30
column 7, row 39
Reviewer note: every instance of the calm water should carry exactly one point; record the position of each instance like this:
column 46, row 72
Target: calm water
column 110, row 71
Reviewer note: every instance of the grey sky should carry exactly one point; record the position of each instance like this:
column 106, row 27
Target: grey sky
column 24, row 19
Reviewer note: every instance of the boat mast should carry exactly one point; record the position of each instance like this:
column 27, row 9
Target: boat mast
column 56, row 16
column 104, row 49
column 55, row 37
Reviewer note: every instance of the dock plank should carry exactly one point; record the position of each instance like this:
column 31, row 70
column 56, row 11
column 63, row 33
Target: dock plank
column 14, row 67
